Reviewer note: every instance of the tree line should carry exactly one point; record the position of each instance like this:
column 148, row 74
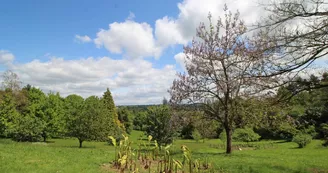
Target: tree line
column 28, row 114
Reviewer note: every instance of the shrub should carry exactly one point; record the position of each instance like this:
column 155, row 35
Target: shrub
column 302, row 139
column 158, row 124
column 245, row 135
column 223, row 136
column 196, row 135
column 29, row 129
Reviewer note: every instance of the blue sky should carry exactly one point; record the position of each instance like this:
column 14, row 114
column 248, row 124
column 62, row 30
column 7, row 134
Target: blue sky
column 76, row 46
column 32, row 29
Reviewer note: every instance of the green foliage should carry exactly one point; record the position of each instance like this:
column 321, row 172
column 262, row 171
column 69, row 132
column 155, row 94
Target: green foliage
column 125, row 117
column 196, row 135
column 324, row 129
column 29, row 129
column 245, row 135
column 8, row 114
column 89, row 120
column 54, row 116
column 158, row 124
column 287, row 131
column 111, row 113
column 302, row 139
column 139, row 120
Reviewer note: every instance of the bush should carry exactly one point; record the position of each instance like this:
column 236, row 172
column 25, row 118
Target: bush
column 245, row 135
column 158, row 124
column 196, row 135
column 223, row 136
column 302, row 139
column 29, row 129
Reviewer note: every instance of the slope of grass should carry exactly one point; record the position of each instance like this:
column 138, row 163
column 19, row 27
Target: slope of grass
column 63, row 155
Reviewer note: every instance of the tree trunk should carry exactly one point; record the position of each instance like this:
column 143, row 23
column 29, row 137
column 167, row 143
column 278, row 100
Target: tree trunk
column 44, row 138
column 229, row 140
column 80, row 143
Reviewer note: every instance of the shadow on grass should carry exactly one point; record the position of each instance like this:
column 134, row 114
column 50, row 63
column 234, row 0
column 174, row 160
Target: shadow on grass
column 76, row 146
column 281, row 142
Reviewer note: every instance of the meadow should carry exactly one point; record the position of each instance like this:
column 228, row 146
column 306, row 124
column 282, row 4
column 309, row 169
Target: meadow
column 63, row 155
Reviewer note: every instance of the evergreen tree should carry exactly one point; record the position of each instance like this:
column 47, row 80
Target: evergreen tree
column 110, row 110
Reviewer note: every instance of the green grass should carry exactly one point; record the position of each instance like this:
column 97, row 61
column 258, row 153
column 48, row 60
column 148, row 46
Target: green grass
column 63, row 155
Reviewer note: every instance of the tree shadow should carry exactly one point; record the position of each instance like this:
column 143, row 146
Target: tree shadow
column 281, row 142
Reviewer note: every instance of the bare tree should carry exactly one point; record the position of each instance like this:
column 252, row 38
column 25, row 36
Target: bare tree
column 222, row 71
column 10, row 80
column 293, row 35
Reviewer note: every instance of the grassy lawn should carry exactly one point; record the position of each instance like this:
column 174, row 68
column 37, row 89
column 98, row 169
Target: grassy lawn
column 63, row 155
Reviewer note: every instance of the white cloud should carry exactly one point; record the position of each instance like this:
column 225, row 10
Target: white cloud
column 133, row 39
column 6, row 57
column 180, row 59
column 182, row 29
column 137, row 40
column 82, row 39
column 131, row 81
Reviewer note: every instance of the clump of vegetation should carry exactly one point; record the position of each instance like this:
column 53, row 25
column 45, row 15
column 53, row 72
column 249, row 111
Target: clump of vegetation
column 154, row 158
column 242, row 135
column 245, row 135
column 302, row 139
column 159, row 125
column 196, row 135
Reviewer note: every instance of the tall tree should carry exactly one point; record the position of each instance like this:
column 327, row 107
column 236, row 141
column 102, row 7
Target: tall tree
column 54, row 116
column 110, row 109
column 32, row 122
column 8, row 113
column 221, row 72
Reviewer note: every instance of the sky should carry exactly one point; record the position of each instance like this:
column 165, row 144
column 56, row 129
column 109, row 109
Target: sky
column 134, row 48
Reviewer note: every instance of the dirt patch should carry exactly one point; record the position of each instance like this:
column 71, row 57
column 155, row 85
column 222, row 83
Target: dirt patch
column 317, row 170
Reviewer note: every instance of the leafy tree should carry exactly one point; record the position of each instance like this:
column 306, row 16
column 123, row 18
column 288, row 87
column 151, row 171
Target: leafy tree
column 158, row 124
column 139, row 120
column 125, row 117
column 73, row 110
column 54, row 116
column 28, row 128
column 196, row 135
column 88, row 119
column 222, row 70
column 32, row 123
column 8, row 113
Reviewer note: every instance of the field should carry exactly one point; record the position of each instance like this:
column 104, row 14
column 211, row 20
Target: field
column 63, row 155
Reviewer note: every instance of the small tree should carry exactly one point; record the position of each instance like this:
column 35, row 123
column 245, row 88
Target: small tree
column 196, row 135
column 302, row 139
column 158, row 124
column 222, row 72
